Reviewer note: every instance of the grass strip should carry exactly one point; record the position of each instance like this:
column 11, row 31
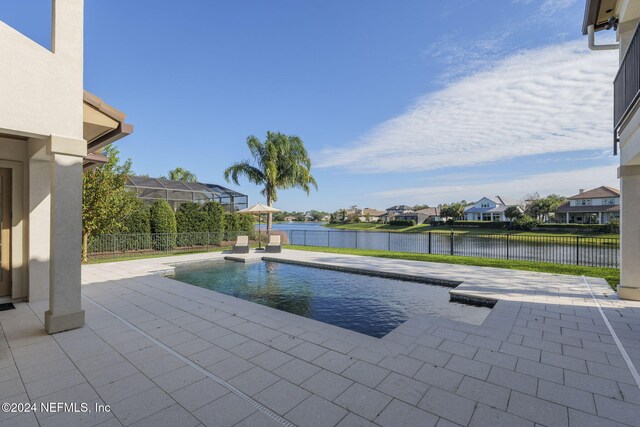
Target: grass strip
column 611, row 275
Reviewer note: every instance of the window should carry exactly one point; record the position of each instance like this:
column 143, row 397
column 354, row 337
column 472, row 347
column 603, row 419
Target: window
column 609, row 201
column 583, row 202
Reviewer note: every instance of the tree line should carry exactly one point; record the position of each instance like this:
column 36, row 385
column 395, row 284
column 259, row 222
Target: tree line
column 108, row 207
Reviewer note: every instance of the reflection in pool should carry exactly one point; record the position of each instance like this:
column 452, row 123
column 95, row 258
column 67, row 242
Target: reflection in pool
column 367, row 304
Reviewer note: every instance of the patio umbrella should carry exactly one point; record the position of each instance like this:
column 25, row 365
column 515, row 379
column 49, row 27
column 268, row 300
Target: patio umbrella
column 259, row 209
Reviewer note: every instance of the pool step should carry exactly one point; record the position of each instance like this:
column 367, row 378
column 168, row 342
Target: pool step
column 241, row 258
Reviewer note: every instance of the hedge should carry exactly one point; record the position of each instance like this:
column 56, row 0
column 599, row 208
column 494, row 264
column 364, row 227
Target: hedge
column 525, row 223
column 190, row 218
column 611, row 227
column 235, row 224
column 163, row 220
column 162, row 229
column 138, row 221
column 214, row 220
column 402, row 222
column 481, row 224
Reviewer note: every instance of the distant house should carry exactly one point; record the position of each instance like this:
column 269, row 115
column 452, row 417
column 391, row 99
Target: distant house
column 597, row 206
column 393, row 211
column 420, row 216
column 371, row 215
column 289, row 218
column 326, row 218
column 490, row 209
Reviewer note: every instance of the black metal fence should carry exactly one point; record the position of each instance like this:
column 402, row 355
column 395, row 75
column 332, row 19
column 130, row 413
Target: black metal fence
column 115, row 246
column 577, row 250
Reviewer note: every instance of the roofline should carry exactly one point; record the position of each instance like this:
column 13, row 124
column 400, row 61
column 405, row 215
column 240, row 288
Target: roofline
column 99, row 104
column 593, row 15
column 591, row 9
column 92, row 160
column 579, row 196
column 227, row 191
column 97, row 145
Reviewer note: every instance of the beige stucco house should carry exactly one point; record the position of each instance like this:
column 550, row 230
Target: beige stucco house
column 596, row 206
column 50, row 129
column 623, row 16
column 371, row 215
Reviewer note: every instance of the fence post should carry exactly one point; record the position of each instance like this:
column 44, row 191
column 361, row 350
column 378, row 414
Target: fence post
column 389, row 240
column 429, row 242
column 451, row 242
column 356, row 239
column 507, row 246
column 577, row 250
column 305, row 238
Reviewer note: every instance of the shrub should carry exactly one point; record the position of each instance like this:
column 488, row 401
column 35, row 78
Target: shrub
column 214, row 221
column 190, row 217
column 191, row 222
column 163, row 220
column 230, row 223
column 525, row 222
column 402, row 222
column 611, row 227
column 236, row 224
column 246, row 224
column 138, row 220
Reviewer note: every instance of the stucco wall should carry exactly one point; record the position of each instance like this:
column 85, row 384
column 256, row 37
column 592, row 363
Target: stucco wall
column 40, row 90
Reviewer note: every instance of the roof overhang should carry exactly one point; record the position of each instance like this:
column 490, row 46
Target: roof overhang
column 597, row 13
column 102, row 125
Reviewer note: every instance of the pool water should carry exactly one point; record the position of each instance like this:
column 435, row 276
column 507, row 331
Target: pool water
column 367, row 304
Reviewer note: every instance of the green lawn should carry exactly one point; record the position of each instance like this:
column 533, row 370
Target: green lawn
column 611, row 275
column 425, row 228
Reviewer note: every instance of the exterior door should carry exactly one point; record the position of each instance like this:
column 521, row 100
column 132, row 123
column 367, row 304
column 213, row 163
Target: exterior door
column 5, row 232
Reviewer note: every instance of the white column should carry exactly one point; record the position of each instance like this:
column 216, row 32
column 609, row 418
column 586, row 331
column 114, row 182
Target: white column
column 65, row 310
column 599, row 217
column 39, row 220
column 629, row 287
column 567, row 217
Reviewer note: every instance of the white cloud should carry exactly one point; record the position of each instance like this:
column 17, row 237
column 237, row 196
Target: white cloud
column 549, row 100
column 552, row 6
column 565, row 183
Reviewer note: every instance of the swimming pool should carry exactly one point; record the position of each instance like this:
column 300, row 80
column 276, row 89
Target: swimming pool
column 367, row 304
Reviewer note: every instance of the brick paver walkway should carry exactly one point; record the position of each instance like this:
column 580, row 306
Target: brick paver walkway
column 161, row 352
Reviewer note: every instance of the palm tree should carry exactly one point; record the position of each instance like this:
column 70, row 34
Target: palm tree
column 280, row 162
column 180, row 174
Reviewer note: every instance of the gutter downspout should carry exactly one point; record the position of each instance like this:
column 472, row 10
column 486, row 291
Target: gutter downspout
column 592, row 41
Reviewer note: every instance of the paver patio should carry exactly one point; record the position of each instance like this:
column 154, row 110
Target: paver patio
column 162, row 352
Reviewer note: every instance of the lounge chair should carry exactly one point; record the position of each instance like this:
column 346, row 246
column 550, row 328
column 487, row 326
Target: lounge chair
column 242, row 245
column 274, row 245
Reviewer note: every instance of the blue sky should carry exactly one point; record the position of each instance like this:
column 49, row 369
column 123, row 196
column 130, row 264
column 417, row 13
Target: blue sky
column 398, row 102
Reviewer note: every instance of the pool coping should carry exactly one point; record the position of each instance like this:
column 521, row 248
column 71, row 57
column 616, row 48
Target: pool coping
column 535, row 312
